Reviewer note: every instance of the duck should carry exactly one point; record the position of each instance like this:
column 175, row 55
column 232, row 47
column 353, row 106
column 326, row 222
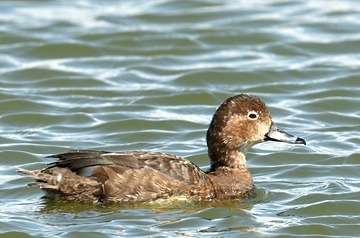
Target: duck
column 92, row 176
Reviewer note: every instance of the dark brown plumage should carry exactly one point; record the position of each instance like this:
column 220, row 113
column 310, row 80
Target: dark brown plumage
column 100, row 176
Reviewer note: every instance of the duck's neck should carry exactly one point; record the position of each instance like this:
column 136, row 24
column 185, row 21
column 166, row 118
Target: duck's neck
column 230, row 172
column 232, row 159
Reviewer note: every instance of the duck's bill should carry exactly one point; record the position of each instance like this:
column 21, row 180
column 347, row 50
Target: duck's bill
column 276, row 134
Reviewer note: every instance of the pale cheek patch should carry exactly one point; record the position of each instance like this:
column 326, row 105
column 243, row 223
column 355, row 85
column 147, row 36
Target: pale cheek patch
column 59, row 178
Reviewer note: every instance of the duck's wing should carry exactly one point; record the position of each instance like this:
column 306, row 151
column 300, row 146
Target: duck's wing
column 83, row 162
column 78, row 159
column 124, row 176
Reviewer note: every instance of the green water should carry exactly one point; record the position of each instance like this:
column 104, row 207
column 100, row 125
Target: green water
column 148, row 75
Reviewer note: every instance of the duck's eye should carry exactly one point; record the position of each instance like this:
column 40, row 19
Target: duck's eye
column 253, row 115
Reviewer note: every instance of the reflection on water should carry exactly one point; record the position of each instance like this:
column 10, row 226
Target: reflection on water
column 149, row 75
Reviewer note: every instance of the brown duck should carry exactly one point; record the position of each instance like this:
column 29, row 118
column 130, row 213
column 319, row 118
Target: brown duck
column 99, row 176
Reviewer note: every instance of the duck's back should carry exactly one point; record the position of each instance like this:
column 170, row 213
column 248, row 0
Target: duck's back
column 93, row 176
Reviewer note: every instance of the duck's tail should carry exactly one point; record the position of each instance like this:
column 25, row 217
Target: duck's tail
column 61, row 183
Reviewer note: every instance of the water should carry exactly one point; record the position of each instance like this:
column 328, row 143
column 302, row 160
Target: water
column 148, row 75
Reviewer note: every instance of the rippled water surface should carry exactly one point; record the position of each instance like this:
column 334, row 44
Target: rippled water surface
column 129, row 75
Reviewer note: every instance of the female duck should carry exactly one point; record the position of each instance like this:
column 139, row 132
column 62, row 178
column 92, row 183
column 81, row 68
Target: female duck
column 98, row 176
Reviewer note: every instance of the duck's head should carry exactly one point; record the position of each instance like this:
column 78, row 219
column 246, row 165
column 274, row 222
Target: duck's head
column 240, row 122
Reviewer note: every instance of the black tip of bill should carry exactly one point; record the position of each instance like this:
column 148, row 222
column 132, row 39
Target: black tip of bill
column 300, row 141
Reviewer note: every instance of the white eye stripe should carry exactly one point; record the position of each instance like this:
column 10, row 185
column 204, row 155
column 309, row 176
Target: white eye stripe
column 252, row 115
